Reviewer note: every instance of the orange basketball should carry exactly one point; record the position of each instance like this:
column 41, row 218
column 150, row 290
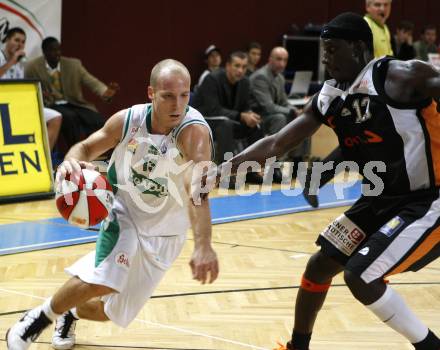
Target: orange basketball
column 87, row 202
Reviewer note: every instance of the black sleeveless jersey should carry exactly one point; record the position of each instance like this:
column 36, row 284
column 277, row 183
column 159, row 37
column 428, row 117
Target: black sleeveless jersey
column 370, row 126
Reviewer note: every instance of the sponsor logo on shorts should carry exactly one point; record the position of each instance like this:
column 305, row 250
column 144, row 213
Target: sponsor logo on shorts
column 392, row 226
column 344, row 235
column 122, row 260
column 364, row 251
column 356, row 235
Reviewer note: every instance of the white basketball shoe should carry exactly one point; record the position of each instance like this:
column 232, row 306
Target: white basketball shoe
column 21, row 335
column 64, row 335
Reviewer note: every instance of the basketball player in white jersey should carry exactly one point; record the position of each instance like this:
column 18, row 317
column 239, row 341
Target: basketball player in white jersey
column 156, row 147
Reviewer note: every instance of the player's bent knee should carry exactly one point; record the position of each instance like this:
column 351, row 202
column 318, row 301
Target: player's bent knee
column 352, row 280
column 358, row 287
column 321, row 269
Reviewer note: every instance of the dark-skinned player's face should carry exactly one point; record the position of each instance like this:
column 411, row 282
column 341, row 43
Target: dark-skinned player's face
column 340, row 60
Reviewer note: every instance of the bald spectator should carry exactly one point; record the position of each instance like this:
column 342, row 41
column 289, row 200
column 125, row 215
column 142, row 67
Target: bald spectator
column 377, row 14
column 268, row 95
column 269, row 99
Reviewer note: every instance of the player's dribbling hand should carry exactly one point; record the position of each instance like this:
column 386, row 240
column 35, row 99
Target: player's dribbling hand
column 72, row 167
column 204, row 265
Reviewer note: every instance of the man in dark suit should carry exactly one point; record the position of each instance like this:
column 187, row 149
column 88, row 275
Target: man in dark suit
column 268, row 95
column 62, row 79
column 269, row 99
column 225, row 94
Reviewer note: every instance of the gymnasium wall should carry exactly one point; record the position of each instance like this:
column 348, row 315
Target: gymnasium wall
column 122, row 40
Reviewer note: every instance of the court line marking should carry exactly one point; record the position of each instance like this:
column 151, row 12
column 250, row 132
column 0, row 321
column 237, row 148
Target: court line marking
column 21, row 293
column 160, row 296
column 160, row 325
column 220, row 220
column 278, row 211
column 47, row 243
column 183, row 330
column 299, row 256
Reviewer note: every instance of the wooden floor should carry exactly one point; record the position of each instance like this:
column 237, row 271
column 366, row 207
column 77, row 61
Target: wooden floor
column 250, row 306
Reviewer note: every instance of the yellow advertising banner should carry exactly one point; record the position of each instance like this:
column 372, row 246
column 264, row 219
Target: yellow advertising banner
column 25, row 165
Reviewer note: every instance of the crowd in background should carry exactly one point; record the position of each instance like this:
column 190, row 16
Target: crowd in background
column 242, row 100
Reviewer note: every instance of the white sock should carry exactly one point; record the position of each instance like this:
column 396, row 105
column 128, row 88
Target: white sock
column 47, row 309
column 74, row 313
column 392, row 310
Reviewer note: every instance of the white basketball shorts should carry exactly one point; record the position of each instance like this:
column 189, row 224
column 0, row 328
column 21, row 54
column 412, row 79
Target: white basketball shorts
column 130, row 264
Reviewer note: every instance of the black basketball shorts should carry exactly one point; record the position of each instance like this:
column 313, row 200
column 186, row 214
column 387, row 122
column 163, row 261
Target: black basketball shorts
column 385, row 235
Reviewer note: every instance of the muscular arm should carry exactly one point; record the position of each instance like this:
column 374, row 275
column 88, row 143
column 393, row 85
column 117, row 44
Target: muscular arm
column 412, row 81
column 284, row 140
column 195, row 144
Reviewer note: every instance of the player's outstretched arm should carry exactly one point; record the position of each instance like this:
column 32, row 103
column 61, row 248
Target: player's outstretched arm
column 96, row 144
column 195, row 144
column 305, row 125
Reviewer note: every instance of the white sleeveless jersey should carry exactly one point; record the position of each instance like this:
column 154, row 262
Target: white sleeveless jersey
column 146, row 172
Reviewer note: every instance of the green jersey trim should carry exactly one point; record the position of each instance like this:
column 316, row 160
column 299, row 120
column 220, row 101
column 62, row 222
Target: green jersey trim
column 148, row 119
column 127, row 123
column 179, row 129
column 112, row 177
column 107, row 239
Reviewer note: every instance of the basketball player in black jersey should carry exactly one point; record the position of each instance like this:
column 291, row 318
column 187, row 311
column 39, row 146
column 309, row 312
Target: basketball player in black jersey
column 385, row 116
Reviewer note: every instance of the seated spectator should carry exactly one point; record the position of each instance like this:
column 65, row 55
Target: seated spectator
column 427, row 43
column 213, row 61
column 11, row 67
column 268, row 94
column 61, row 80
column 225, row 93
column 254, row 57
column 269, row 99
column 403, row 41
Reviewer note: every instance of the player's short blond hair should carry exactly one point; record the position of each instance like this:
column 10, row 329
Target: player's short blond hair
column 368, row 2
column 167, row 66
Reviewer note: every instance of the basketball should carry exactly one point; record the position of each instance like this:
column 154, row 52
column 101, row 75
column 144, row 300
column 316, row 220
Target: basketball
column 86, row 202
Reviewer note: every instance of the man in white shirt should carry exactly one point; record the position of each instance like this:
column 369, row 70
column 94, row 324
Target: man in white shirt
column 11, row 67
